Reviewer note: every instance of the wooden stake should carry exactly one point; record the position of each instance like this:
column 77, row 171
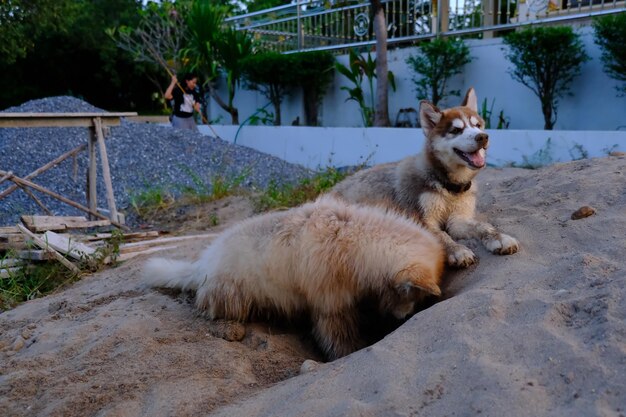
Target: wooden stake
column 92, row 173
column 106, row 173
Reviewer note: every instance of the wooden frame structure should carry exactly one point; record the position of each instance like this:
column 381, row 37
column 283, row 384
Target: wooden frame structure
column 96, row 122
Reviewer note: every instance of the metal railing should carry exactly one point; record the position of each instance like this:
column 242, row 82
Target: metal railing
column 324, row 24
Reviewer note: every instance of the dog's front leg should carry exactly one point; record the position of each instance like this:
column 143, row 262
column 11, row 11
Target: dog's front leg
column 494, row 241
column 337, row 333
column 457, row 255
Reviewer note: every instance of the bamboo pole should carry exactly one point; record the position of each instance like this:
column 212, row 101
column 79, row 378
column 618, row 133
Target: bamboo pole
column 92, row 173
column 38, row 201
column 106, row 172
column 44, row 190
column 43, row 168
column 6, row 177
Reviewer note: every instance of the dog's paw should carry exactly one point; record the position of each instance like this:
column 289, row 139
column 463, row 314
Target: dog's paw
column 503, row 245
column 460, row 256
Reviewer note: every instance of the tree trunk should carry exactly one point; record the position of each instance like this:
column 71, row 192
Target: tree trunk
column 381, row 117
column 310, row 106
column 234, row 114
column 546, row 107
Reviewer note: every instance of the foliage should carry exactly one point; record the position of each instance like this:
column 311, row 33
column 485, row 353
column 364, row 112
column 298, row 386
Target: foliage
column 287, row 195
column 436, row 62
column 31, row 280
column 546, row 60
column 271, row 73
column 158, row 37
column 315, row 72
column 156, row 40
column 151, row 200
column 359, row 68
column 23, row 21
column 75, row 54
column 540, row 158
column 610, row 35
column 486, row 113
column 220, row 186
column 214, row 49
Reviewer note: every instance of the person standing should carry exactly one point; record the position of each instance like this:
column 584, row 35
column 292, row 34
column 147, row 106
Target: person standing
column 185, row 102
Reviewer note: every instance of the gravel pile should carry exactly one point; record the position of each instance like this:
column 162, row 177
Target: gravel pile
column 142, row 157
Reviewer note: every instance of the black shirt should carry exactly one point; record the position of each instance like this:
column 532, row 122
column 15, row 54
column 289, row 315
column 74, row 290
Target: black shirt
column 183, row 103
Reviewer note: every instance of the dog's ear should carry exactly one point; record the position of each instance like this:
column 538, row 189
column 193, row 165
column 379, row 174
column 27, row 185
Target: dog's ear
column 430, row 115
column 418, row 277
column 470, row 100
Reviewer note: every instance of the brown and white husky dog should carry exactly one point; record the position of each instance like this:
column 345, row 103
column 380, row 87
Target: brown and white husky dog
column 436, row 187
column 320, row 259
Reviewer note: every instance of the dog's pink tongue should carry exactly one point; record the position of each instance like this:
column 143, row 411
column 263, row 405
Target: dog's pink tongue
column 477, row 158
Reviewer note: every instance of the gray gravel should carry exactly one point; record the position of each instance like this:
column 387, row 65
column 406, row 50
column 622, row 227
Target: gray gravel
column 141, row 156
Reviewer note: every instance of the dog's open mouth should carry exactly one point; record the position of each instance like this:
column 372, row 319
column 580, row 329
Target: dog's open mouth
column 474, row 159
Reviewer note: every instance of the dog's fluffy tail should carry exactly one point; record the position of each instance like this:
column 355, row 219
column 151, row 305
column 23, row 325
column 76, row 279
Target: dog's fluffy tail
column 168, row 273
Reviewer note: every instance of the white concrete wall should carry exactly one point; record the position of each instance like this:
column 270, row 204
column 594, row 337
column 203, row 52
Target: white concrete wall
column 594, row 104
column 319, row 147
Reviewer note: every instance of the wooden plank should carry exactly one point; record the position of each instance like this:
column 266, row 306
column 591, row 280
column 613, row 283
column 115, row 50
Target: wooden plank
column 125, row 236
column 126, row 256
column 44, row 245
column 35, row 255
column 67, row 245
column 138, row 246
column 106, row 172
column 60, row 119
column 60, row 223
column 149, row 119
column 12, row 241
column 9, row 230
column 60, row 197
column 44, row 168
column 12, row 237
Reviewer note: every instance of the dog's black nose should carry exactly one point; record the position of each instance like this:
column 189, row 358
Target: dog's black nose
column 482, row 139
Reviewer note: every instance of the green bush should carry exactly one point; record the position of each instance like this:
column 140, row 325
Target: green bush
column 436, row 62
column 314, row 72
column 610, row 35
column 272, row 74
column 546, row 60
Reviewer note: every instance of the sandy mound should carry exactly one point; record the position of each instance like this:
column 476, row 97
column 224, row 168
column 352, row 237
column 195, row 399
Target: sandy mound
column 539, row 333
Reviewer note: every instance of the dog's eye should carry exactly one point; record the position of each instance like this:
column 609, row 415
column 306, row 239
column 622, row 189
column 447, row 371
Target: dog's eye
column 456, row 130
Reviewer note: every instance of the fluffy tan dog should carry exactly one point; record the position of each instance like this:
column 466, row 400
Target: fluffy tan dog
column 436, row 187
column 319, row 259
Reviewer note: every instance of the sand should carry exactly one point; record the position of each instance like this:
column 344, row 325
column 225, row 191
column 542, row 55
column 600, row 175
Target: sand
column 538, row 333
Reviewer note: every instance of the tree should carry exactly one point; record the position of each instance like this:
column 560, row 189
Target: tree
column 357, row 70
column 610, row 35
column 271, row 73
column 214, row 49
column 77, row 58
column 436, row 62
column 546, row 60
column 381, row 116
column 23, row 21
column 314, row 70
column 157, row 39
